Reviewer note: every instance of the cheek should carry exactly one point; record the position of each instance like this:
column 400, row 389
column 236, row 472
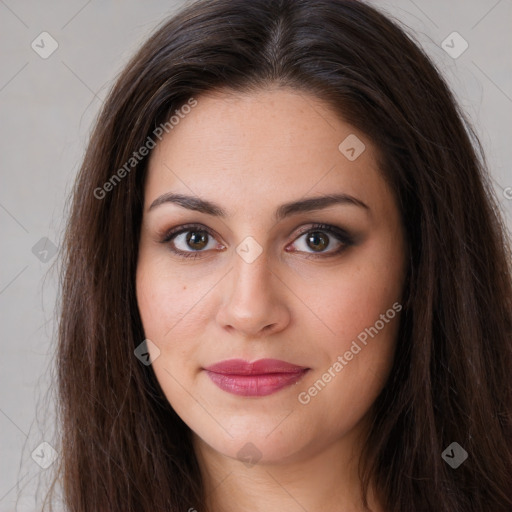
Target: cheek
column 352, row 296
column 169, row 307
column 361, row 315
column 362, row 312
column 169, row 310
column 356, row 367
column 166, row 299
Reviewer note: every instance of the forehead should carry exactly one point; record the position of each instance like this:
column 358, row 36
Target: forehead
column 268, row 146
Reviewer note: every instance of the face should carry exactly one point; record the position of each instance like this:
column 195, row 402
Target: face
column 237, row 261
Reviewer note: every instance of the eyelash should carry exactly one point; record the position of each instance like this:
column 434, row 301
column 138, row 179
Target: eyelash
column 342, row 236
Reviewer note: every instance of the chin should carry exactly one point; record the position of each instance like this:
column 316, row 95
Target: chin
column 261, row 444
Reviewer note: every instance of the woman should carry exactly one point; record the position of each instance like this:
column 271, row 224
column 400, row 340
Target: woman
column 287, row 286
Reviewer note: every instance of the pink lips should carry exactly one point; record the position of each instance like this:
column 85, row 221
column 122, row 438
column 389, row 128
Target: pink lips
column 259, row 378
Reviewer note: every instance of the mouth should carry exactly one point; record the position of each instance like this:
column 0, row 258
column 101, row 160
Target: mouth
column 259, row 378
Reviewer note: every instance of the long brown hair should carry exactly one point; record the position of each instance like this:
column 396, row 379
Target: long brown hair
column 123, row 448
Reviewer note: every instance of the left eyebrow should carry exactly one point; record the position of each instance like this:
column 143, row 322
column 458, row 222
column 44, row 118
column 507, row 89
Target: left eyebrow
column 317, row 203
column 283, row 211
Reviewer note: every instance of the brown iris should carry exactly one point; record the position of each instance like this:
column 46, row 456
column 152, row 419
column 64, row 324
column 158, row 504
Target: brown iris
column 319, row 239
column 197, row 239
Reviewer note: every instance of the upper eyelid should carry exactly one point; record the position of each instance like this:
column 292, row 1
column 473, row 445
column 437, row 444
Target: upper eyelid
column 166, row 236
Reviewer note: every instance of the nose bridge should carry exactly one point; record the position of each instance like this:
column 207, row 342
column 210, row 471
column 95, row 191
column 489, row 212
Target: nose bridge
column 252, row 302
column 251, row 278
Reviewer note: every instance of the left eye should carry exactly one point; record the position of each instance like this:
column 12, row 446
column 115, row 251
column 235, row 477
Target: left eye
column 316, row 240
column 319, row 238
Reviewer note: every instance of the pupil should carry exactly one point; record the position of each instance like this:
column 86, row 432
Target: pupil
column 317, row 237
column 193, row 239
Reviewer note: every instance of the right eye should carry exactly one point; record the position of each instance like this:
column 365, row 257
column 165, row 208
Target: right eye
column 188, row 241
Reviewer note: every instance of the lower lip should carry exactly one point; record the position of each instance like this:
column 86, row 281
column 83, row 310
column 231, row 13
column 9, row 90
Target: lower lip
column 255, row 385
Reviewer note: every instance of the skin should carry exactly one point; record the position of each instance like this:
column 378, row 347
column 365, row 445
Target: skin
column 250, row 153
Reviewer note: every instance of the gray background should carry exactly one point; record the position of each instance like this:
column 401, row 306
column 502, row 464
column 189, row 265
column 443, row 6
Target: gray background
column 47, row 107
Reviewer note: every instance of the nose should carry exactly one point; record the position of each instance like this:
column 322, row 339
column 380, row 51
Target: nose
column 254, row 304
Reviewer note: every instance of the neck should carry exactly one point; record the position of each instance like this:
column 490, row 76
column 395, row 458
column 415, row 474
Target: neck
column 312, row 480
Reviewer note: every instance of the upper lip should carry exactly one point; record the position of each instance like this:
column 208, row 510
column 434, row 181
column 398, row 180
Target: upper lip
column 259, row 367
